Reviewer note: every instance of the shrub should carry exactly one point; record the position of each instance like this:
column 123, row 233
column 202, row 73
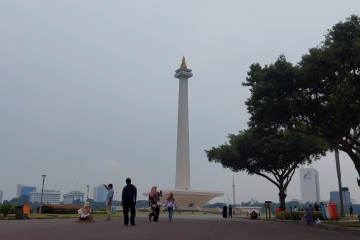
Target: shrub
column 102, row 209
column 58, row 209
column 5, row 209
column 298, row 215
column 99, row 212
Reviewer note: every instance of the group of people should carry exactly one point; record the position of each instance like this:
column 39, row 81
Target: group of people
column 224, row 212
column 154, row 203
column 129, row 197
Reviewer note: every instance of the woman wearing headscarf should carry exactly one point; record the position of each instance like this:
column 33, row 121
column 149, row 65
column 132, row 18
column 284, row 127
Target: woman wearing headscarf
column 308, row 218
column 170, row 203
column 85, row 214
column 224, row 211
column 154, row 203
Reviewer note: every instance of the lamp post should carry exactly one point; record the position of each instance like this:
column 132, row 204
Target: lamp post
column 42, row 192
column 87, row 195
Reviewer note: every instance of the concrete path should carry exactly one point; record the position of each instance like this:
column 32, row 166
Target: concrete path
column 184, row 227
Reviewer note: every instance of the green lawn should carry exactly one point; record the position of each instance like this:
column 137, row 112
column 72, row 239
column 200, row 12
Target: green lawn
column 101, row 215
column 355, row 225
column 66, row 215
column 355, row 217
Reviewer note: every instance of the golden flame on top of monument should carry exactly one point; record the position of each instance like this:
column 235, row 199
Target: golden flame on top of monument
column 183, row 63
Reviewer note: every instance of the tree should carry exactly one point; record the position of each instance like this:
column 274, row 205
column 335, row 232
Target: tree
column 321, row 93
column 22, row 200
column 318, row 96
column 276, row 153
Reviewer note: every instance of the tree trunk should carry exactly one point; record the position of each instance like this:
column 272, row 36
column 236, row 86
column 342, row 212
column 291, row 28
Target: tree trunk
column 354, row 156
column 339, row 182
column 282, row 196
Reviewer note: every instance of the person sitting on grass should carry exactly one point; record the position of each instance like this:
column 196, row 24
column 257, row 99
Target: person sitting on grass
column 85, row 214
column 307, row 219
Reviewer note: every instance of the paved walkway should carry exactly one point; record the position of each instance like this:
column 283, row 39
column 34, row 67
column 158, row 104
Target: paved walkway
column 190, row 227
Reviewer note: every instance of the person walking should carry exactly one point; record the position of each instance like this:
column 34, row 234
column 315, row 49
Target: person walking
column 170, row 204
column 230, row 211
column 109, row 199
column 154, row 203
column 351, row 211
column 129, row 195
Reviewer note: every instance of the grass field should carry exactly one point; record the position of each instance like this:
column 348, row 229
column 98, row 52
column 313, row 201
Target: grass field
column 355, row 225
column 117, row 214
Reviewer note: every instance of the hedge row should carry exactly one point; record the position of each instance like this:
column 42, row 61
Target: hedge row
column 99, row 212
column 58, row 209
column 298, row 215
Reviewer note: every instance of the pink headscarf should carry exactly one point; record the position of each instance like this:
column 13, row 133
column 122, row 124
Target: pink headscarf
column 153, row 191
column 170, row 198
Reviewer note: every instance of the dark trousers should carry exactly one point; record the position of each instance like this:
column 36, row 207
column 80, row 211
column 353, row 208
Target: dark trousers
column 230, row 214
column 126, row 208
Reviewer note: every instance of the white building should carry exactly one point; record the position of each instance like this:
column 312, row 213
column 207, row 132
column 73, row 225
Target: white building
column 49, row 197
column 100, row 193
column 72, row 196
column 1, row 196
column 310, row 188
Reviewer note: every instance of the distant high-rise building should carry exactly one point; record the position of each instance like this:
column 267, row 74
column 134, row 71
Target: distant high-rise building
column 49, row 197
column 310, row 187
column 100, row 193
column 1, row 196
column 24, row 190
column 72, row 196
column 335, row 197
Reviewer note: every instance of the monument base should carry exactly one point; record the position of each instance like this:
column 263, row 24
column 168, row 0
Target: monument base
column 189, row 199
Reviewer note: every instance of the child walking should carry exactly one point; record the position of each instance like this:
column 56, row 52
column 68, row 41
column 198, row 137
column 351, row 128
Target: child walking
column 170, row 203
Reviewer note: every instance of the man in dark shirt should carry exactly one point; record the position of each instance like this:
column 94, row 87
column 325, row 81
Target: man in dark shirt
column 128, row 201
column 230, row 211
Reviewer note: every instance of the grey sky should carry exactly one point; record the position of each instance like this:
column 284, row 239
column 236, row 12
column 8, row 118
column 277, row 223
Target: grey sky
column 87, row 89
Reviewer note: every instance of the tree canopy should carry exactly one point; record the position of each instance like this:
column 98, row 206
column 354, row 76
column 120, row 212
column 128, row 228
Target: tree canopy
column 319, row 96
column 276, row 153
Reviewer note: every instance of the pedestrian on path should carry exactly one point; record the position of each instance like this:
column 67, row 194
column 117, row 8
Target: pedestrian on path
column 170, row 204
column 129, row 196
column 109, row 199
column 154, row 203
column 230, row 211
column 351, row 211
column 225, row 211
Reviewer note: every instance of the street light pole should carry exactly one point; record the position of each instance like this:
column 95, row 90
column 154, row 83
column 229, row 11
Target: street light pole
column 42, row 192
column 116, row 201
column 87, row 195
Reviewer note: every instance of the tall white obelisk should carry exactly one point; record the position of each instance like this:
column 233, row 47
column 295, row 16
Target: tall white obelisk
column 182, row 180
column 185, row 198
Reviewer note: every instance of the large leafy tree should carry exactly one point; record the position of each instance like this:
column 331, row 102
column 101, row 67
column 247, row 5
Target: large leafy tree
column 318, row 96
column 274, row 155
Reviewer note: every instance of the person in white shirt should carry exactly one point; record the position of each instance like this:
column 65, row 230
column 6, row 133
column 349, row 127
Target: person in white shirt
column 109, row 199
column 170, row 203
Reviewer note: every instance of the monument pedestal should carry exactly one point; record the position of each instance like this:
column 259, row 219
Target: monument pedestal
column 189, row 199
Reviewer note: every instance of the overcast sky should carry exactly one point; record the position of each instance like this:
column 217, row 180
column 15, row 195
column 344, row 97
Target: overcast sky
column 88, row 94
